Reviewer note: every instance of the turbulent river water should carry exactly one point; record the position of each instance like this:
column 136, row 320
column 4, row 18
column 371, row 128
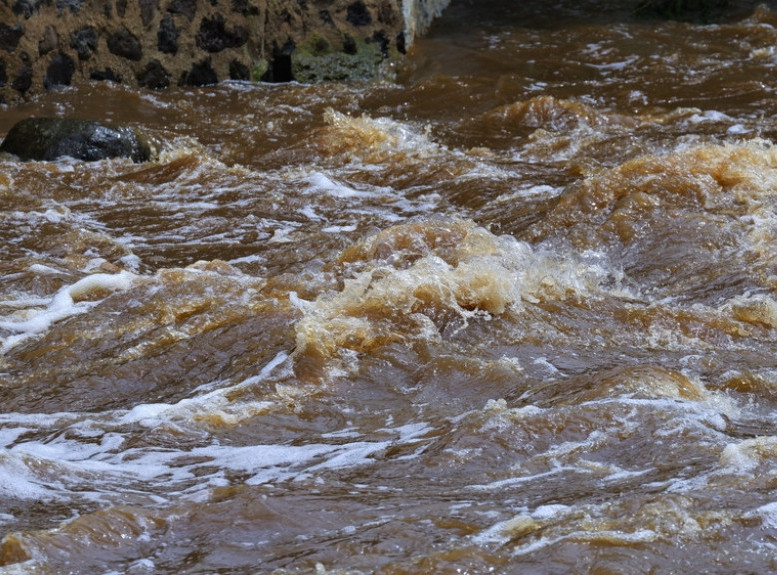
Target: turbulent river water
column 512, row 309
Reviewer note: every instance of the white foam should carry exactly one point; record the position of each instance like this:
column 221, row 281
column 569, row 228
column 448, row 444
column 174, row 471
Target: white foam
column 547, row 512
column 19, row 482
column 767, row 513
column 737, row 130
column 282, row 235
column 319, row 182
column 44, row 270
column 70, row 460
column 709, row 116
column 339, row 229
column 615, row 66
column 214, row 403
column 501, row 484
column 63, row 305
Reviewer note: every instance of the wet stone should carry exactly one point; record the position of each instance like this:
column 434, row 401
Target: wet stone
column 147, row 10
column 59, row 72
column 358, row 14
column 186, row 8
column 105, row 75
column 121, row 7
column 10, row 36
column 386, row 13
column 167, row 36
column 84, row 42
column 201, row 74
column 379, row 38
column 238, row 71
column 401, row 46
column 349, row 45
column 3, row 74
column 74, row 6
column 213, row 35
column 244, row 8
column 49, row 139
column 23, row 80
column 49, row 41
column 27, row 8
column 124, row 43
column 154, row 76
column 326, row 17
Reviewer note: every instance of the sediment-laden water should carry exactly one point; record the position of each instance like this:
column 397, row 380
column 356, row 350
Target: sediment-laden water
column 512, row 310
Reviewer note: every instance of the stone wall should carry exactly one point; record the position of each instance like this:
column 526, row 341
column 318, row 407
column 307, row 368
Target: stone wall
column 46, row 44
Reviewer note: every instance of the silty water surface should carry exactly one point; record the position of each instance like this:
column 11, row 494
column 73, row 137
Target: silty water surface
column 513, row 311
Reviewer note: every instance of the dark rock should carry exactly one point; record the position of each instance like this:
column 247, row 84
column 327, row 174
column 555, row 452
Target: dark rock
column 154, row 77
column 280, row 69
column 201, row 74
column 380, row 39
column 687, row 10
column 73, row 5
column 27, row 8
column 349, row 44
column 124, row 43
column 326, row 17
column 10, row 36
column 244, row 8
column 23, row 80
column 3, row 74
column 185, row 7
column 49, row 41
column 59, row 72
column 401, row 46
column 238, row 71
column 358, row 14
column 48, row 139
column 84, row 42
column 167, row 37
column 121, row 8
column 386, row 13
column 147, row 11
column 105, row 75
column 213, row 35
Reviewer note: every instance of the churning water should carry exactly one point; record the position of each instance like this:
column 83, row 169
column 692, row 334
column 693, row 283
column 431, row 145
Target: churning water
column 513, row 311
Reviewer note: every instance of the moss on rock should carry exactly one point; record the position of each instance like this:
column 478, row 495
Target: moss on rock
column 360, row 61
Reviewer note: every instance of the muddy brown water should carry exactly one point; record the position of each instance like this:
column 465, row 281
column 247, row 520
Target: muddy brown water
column 511, row 310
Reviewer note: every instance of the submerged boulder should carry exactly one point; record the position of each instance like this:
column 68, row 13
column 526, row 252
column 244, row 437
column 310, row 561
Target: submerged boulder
column 52, row 138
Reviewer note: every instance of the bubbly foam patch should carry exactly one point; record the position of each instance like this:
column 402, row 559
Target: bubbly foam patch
column 70, row 300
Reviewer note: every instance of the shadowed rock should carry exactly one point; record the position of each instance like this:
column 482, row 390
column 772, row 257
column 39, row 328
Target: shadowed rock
column 52, row 138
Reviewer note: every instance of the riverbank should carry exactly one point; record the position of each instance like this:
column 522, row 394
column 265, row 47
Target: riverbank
column 154, row 44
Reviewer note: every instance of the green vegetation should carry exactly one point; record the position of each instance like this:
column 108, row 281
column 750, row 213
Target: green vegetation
column 317, row 61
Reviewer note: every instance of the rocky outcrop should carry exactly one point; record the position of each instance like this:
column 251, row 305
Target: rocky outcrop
column 54, row 138
column 47, row 44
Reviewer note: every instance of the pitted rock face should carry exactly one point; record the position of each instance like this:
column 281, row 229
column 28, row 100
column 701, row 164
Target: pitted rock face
column 47, row 44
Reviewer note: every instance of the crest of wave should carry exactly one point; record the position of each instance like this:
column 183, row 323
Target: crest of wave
column 424, row 282
column 375, row 140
